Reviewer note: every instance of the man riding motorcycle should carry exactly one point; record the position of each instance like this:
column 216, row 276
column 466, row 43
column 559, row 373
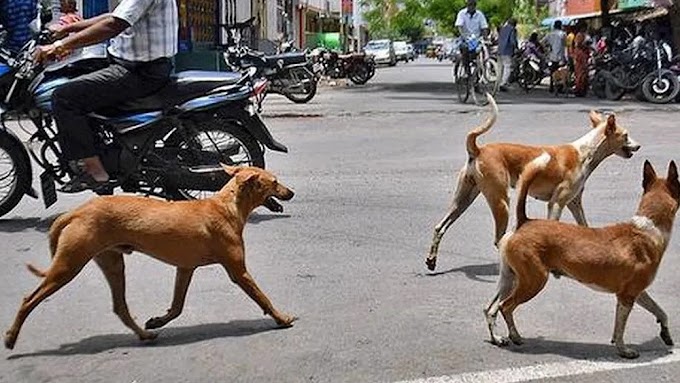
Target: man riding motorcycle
column 144, row 39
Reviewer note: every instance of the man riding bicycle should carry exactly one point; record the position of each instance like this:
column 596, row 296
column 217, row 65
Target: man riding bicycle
column 470, row 22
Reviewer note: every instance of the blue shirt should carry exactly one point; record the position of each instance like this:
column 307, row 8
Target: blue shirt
column 15, row 15
column 507, row 40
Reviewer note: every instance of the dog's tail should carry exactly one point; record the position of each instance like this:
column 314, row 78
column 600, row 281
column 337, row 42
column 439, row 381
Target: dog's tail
column 527, row 177
column 472, row 148
column 55, row 231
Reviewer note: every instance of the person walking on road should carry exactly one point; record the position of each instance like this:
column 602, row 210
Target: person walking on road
column 507, row 45
column 556, row 41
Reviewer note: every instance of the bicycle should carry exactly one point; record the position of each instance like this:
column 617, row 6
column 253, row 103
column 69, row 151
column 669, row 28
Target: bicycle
column 475, row 79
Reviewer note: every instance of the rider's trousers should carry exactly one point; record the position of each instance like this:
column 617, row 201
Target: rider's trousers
column 119, row 82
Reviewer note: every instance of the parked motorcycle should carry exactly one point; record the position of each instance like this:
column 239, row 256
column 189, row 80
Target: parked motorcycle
column 290, row 74
column 358, row 67
column 169, row 144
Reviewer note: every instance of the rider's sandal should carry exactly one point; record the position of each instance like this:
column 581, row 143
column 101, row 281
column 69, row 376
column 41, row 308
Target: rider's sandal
column 82, row 182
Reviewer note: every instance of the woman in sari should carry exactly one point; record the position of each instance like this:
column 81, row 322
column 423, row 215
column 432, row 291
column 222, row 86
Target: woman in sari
column 581, row 54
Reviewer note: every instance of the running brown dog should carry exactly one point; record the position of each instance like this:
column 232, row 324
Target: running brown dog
column 620, row 259
column 493, row 169
column 185, row 234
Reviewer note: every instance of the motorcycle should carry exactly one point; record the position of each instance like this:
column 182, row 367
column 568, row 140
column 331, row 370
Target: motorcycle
column 168, row 145
column 290, row 74
column 358, row 67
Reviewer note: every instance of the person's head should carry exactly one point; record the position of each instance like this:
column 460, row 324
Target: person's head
column 558, row 25
column 471, row 5
column 534, row 37
column 68, row 6
column 581, row 27
column 512, row 21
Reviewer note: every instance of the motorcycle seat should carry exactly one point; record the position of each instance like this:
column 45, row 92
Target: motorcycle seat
column 287, row 58
column 350, row 56
column 181, row 87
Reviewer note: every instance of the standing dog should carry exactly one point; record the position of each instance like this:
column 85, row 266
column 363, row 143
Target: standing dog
column 493, row 168
column 621, row 259
column 185, row 234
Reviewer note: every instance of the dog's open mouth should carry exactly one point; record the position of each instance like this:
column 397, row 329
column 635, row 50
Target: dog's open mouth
column 273, row 205
column 628, row 151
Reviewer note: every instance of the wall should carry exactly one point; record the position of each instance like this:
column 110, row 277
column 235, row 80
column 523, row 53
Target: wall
column 578, row 7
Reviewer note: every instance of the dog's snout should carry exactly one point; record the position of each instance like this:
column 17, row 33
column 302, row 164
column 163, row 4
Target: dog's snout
column 287, row 194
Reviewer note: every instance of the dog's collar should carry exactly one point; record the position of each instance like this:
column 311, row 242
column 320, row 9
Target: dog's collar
column 647, row 225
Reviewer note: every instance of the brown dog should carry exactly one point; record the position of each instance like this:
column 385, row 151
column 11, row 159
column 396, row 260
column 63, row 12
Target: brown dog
column 494, row 168
column 185, row 234
column 621, row 259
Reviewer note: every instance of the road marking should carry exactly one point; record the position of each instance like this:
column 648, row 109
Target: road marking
column 553, row 370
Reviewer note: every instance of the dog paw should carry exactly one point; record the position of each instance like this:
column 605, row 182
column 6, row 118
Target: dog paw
column 628, row 353
column 10, row 340
column 286, row 321
column 516, row 339
column 499, row 341
column 147, row 336
column 666, row 336
column 431, row 263
column 154, row 323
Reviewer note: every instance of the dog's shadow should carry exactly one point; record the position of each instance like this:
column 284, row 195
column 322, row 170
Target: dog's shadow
column 256, row 217
column 15, row 225
column 474, row 272
column 649, row 350
column 172, row 336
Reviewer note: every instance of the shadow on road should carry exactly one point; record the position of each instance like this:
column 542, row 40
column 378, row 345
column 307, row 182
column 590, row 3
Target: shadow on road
column 473, row 272
column 15, row 225
column 173, row 336
column 256, row 218
column 649, row 350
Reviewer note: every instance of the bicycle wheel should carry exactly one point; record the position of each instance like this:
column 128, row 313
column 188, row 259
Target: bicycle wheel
column 462, row 83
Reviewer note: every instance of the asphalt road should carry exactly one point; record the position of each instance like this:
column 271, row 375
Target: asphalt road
column 373, row 169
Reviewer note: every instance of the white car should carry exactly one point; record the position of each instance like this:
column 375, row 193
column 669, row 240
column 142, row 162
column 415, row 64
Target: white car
column 401, row 50
column 382, row 52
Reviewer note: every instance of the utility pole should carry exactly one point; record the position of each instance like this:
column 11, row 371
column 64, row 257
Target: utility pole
column 604, row 6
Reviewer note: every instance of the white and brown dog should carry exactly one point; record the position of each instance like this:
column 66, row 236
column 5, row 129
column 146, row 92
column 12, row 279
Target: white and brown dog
column 620, row 259
column 494, row 168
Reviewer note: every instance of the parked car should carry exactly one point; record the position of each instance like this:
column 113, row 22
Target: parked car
column 402, row 51
column 382, row 52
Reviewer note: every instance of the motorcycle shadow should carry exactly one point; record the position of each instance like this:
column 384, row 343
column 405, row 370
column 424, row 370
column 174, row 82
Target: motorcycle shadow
column 16, row 225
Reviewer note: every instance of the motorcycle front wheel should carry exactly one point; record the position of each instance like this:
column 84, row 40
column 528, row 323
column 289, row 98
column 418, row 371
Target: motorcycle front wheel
column 15, row 173
column 304, row 84
column 360, row 74
column 660, row 88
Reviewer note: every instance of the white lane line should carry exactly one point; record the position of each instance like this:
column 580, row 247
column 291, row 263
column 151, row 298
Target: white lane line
column 553, row 370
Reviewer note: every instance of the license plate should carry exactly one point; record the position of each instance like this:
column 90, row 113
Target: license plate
column 49, row 190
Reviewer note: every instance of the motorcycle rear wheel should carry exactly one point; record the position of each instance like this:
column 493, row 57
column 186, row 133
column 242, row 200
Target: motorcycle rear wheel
column 360, row 74
column 235, row 145
column 15, row 174
column 661, row 90
column 308, row 92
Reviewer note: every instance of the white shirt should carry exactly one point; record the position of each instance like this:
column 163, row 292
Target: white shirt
column 471, row 25
column 557, row 40
column 152, row 33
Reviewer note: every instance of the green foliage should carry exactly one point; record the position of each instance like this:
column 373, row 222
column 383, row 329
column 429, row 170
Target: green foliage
column 528, row 16
column 387, row 19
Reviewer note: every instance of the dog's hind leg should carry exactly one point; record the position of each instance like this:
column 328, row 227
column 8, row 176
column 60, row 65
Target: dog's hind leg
column 112, row 265
column 182, row 281
column 63, row 269
column 506, row 282
column 465, row 193
column 650, row 305
column 623, row 307
column 236, row 268
column 531, row 279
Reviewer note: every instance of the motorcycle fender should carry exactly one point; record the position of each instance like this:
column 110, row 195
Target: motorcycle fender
column 254, row 125
column 29, row 190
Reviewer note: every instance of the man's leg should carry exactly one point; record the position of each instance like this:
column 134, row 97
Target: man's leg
column 94, row 91
column 506, row 61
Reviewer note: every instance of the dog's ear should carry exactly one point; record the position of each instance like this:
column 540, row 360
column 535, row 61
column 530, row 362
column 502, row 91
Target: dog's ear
column 648, row 175
column 231, row 170
column 611, row 125
column 672, row 180
column 595, row 118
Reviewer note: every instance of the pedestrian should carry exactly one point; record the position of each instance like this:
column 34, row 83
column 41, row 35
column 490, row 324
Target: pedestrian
column 15, row 16
column 556, row 41
column 507, row 45
column 470, row 22
column 143, row 40
column 581, row 51
column 69, row 11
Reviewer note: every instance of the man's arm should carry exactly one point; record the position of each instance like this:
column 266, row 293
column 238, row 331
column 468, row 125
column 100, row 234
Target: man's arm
column 78, row 26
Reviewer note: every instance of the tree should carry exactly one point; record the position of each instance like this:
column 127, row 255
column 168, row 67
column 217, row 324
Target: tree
column 528, row 16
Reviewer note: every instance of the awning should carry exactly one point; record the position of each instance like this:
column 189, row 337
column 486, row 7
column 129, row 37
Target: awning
column 639, row 14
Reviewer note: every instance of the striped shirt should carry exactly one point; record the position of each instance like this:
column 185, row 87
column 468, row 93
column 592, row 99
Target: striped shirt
column 15, row 15
column 153, row 30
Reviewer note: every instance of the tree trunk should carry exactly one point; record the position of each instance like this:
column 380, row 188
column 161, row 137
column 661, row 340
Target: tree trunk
column 604, row 6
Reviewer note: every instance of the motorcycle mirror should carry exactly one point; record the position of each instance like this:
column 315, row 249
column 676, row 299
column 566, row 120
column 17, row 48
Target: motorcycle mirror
column 252, row 71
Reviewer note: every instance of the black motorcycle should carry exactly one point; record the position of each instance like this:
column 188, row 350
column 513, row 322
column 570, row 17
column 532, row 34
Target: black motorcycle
column 357, row 67
column 168, row 145
column 290, row 74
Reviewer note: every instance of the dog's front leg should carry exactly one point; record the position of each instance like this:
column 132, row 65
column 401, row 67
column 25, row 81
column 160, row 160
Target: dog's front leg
column 236, row 269
column 182, row 281
column 575, row 206
column 650, row 305
column 623, row 308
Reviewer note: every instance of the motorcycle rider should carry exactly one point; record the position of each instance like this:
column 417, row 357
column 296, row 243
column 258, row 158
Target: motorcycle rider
column 15, row 16
column 470, row 21
column 143, row 37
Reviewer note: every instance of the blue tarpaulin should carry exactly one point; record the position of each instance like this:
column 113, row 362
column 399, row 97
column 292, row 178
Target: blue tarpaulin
column 549, row 21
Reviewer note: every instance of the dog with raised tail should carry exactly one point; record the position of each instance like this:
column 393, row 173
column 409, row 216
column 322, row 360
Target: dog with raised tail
column 621, row 259
column 494, row 168
column 185, row 234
